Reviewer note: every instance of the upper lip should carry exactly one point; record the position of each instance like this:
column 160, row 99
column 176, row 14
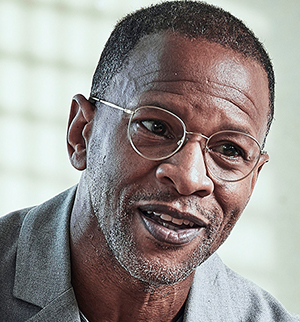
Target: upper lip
column 173, row 212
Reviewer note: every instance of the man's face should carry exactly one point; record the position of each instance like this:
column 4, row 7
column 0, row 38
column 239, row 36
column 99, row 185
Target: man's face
column 161, row 219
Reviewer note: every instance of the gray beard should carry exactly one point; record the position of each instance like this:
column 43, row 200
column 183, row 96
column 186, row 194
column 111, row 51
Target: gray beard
column 123, row 247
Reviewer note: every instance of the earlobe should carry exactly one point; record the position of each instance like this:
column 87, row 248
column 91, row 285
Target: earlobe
column 79, row 129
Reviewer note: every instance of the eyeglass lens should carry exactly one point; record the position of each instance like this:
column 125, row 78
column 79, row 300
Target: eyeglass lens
column 157, row 134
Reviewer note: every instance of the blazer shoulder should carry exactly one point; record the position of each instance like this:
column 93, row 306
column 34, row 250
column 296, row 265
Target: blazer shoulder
column 256, row 303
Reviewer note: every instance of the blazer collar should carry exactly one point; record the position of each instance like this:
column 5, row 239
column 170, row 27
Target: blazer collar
column 43, row 267
column 209, row 297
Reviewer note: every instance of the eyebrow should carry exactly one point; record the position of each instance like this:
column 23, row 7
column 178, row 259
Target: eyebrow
column 238, row 128
column 93, row 100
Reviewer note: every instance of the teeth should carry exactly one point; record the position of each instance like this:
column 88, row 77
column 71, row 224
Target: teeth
column 176, row 221
column 166, row 217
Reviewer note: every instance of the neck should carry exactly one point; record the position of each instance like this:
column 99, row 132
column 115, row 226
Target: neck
column 104, row 290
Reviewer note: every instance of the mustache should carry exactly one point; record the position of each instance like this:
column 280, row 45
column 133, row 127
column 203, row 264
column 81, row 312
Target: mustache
column 157, row 196
column 191, row 202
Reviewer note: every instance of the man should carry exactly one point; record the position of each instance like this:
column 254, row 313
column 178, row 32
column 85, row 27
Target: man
column 171, row 144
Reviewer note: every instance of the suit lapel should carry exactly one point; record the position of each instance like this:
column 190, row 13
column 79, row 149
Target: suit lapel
column 209, row 298
column 63, row 308
column 43, row 268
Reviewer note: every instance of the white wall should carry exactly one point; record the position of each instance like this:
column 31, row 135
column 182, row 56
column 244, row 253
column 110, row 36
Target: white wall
column 48, row 51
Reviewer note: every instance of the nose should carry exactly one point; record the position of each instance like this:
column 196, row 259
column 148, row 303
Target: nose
column 186, row 171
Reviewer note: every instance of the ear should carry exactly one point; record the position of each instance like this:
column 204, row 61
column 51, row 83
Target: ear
column 79, row 130
column 264, row 158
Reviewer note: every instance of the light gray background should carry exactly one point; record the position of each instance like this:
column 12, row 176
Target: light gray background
column 48, row 52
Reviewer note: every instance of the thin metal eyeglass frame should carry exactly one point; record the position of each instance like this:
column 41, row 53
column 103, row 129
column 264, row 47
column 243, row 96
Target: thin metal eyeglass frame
column 181, row 142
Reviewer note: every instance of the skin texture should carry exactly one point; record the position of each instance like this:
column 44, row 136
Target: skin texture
column 125, row 267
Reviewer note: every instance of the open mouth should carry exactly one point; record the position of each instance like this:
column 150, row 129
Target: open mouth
column 170, row 226
column 169, row 221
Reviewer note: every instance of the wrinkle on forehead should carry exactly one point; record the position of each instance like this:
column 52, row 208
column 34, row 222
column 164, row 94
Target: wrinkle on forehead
column 205, row 85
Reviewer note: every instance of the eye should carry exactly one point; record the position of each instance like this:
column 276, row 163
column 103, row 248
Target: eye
column 229, row 149
column 157, row 127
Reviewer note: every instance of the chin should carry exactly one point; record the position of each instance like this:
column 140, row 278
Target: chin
column 159, row 272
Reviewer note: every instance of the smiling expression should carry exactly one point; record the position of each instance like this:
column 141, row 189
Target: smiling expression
column 161, row 219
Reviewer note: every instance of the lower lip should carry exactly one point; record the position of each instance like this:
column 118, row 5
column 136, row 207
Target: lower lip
column 166, row 235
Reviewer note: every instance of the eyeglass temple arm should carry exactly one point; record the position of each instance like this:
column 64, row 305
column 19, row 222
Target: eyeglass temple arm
column 131, row 112
column 112, row 105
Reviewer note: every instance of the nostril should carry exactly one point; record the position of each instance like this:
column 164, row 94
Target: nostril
column 187, row 180
column 162, row 174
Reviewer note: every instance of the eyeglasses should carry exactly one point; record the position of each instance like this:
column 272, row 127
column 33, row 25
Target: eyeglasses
column 156, row 134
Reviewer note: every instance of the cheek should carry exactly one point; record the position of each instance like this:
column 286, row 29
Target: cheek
column 112, row 160
column 233, row 198
column 128, row 164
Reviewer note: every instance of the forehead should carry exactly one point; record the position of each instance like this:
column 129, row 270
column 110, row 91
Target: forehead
column 168, row 65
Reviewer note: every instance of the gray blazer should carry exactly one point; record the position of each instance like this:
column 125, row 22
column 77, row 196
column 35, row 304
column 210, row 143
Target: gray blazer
column 35, row 275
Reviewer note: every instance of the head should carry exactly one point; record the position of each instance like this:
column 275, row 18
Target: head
column 194, row 20
column 163, row 218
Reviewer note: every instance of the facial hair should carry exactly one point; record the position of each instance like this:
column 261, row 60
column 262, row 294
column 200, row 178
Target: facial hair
column 117, row 229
